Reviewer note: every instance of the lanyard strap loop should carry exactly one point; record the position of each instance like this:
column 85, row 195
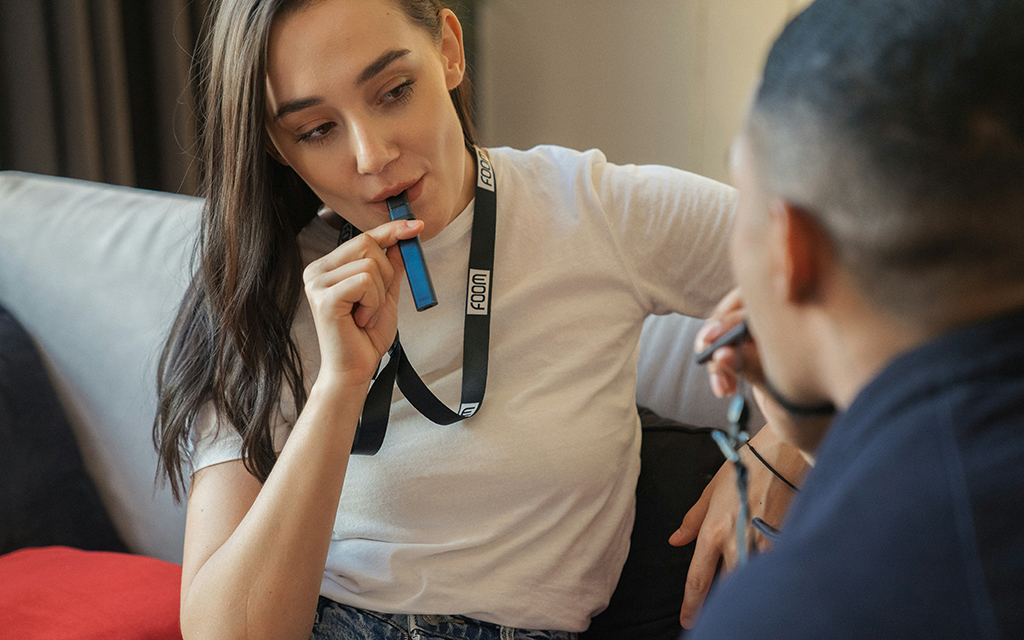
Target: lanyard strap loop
column 476, row 340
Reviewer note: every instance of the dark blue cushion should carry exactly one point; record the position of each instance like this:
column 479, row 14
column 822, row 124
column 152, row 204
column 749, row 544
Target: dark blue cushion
column 46, row 497
column 676, row 463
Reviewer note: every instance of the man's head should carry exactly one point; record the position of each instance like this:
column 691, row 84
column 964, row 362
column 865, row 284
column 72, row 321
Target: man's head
column 882, row 168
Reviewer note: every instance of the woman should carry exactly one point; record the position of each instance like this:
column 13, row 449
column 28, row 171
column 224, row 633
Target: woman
column 516, row 518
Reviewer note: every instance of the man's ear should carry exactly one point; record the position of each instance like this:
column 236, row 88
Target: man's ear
column 452, row 50
column 802, row 250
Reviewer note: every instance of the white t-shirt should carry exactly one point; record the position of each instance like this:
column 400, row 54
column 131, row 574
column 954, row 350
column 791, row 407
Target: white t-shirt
column 521, row 515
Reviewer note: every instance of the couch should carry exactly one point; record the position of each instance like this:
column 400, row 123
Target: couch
column 90, row 276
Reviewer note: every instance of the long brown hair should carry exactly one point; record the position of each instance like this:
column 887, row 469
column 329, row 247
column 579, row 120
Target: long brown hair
column 230, row 345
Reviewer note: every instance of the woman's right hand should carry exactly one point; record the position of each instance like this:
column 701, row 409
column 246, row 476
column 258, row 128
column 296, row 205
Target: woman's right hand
column 353, row 294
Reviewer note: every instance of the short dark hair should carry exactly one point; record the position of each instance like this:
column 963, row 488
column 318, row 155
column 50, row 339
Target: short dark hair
column 899, row 124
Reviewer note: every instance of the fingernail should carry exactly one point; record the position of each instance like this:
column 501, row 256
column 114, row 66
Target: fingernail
column 409, row 224
column 709, row 332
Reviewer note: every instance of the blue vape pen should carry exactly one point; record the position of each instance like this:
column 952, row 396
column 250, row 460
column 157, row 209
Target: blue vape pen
column 412, row 253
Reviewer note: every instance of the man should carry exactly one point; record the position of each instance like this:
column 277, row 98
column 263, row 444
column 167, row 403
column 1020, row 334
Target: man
column 879, row 251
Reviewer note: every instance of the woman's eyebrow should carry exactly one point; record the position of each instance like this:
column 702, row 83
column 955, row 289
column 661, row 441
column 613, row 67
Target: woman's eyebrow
column 368, row 73
column 380, row 64
column 296, row 105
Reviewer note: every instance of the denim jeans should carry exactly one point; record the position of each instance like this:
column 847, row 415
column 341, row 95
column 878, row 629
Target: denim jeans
column 336, row 621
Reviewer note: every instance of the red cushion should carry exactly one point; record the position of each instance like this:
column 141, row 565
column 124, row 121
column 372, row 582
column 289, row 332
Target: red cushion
column 60, row 593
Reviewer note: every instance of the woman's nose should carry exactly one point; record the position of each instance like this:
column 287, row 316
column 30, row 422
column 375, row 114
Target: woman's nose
column 373, row 148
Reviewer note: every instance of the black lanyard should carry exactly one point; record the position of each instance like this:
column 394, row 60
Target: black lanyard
column 476, row 341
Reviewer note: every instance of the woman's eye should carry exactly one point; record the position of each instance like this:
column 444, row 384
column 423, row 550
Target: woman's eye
column 399, row 94
column 316, row 134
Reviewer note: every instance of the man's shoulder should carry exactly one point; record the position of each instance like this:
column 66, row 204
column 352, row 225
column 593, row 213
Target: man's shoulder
column 856, row 571
column 887, row 541
column 989, row 436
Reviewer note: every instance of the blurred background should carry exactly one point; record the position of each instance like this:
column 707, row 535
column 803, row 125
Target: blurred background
column 103, row 89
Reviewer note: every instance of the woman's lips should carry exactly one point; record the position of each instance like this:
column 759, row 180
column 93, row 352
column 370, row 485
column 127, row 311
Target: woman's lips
column 412, row 192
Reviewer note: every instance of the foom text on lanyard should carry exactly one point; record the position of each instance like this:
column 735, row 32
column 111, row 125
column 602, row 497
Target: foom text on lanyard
column 485, row 173
column 479, row 294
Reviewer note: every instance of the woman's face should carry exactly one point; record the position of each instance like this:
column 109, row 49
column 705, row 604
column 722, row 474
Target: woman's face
column 358, row 106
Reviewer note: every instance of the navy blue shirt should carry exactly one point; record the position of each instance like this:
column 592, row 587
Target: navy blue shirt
column 911, row 524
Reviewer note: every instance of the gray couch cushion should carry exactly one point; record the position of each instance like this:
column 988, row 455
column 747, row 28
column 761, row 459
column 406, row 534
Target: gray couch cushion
column 46, row 497
column 94, row 273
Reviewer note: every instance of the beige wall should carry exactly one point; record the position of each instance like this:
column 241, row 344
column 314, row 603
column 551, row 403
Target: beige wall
column 662, row 81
